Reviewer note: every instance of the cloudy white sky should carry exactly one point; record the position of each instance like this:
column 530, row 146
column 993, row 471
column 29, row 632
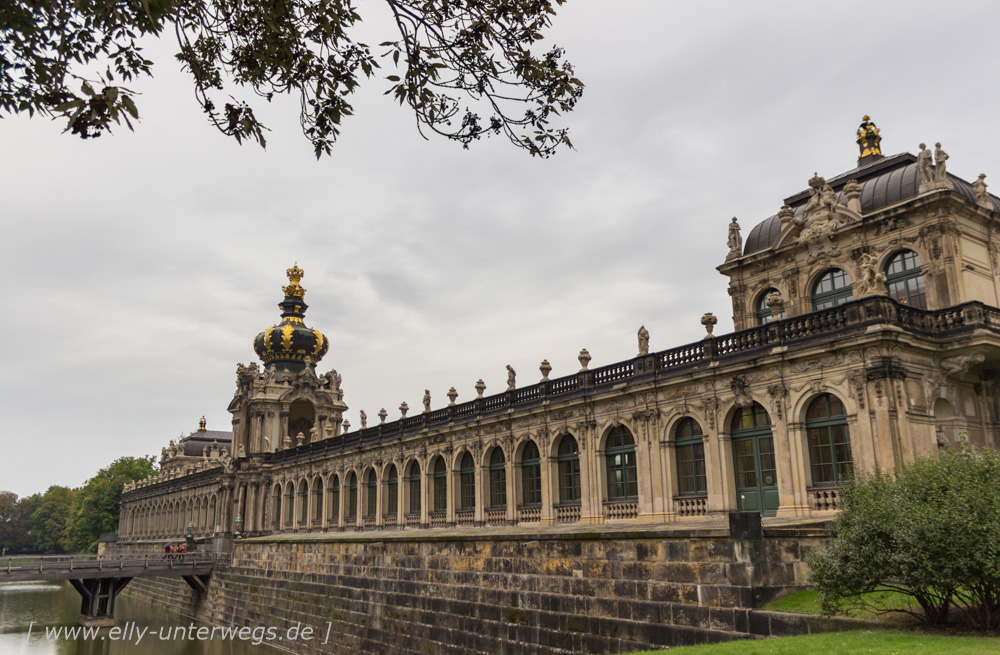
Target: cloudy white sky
column 136, row 269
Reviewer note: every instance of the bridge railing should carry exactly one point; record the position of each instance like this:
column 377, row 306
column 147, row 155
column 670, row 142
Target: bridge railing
column 87, row 562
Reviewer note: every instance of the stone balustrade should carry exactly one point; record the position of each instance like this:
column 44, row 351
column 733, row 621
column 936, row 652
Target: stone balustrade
column 823, row 499
column 686, row 506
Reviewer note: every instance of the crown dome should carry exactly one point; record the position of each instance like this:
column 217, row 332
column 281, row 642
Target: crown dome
column 290, row 343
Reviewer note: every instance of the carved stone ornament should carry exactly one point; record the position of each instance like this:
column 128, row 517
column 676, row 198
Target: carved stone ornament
column 709, row 320
column 480, row 388
column 545, row 369
column 871, row 280
column 643, row 341
column 364, row 420
column 382, row 414
column 982, row 195
column 584, row 358
column 776, row 304
column 852, row 191
column 959, row 365
column 403, row 408
column 511, row 378
column 452, row 395
column 347, row 426
column 741, row 389
column 427, row 400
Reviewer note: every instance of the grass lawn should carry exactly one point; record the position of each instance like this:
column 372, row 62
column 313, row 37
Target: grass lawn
column 876, row 642
column 875, row 603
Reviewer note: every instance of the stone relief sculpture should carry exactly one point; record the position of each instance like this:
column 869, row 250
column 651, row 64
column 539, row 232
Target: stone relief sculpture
column 871, row 281
column 925, row 164
column 940, row 168
column 511, row 378
column 643, row 340
column 735, row 240
column 820, row 223
column 740, row 388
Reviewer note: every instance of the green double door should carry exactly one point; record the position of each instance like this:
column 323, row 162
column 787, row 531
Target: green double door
column 756, row 471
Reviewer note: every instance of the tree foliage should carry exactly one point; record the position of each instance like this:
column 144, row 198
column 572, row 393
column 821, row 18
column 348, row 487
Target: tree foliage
column 97, row 504
column 466, row 68
column 931, row 533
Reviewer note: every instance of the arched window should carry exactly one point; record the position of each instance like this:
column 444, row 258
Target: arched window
column 763, row 311
column 275, row 508
column 414, row 480
column 904, row 279
column 440, row 486
column 689, row 447
column 392, row 493
column 832, row 289
column 317, row 500
column 531, row 475
column 303, row 501
column 352, row 497
column 371, row 495
column 619, row 452
column 569, row 470
column 333, row 513
column 754, row 461
column 829, row 443
column 289, row 504
column 498, row 479
column 467, row 486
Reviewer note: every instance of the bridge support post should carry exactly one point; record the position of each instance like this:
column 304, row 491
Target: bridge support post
column 98, row 606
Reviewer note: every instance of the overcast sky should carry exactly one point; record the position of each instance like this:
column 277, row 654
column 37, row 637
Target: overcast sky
column 138, row 268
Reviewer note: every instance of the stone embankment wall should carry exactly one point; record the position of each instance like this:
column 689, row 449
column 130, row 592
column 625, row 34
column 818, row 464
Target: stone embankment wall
column 528, row 592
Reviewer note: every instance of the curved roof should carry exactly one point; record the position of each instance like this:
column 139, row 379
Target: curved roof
column 884, row 183
column 195, row 442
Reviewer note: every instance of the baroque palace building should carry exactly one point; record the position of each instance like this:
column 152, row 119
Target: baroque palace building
column 867, row 334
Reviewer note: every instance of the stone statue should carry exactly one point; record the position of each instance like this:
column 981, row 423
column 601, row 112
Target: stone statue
column 364, row 420
column 269, row 372
column 735, row 240
column 313, row 434
column 163, row 455
column 511, row 378
column 643, row 340
column 940, row 157
column 332, row 379
column 427, row 400
column 871, row 278
column 242, row 452
column 979, row 188
column 267, row 444
column 925, row 164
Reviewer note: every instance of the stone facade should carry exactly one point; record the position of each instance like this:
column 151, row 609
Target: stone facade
column 867, row 335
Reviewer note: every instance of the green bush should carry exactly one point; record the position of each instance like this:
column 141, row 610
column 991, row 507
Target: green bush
column 932, row 532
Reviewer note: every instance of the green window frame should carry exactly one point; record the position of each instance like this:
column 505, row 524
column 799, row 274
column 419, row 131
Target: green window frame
column 440, row 486
column 303, row 500
column 832, row 289
column 763, row 311
column 904, row 279
column 352, row 496
column 333, row 515
column 531, row 475
column 689, row 450
column 568, row 463
column 289, row 504
column 392, row 492
column 467, row 483
column 619, row 453
column 829, row 441
column 371, row 506
column 498, row 478
column 414, row 480
column 317, row 499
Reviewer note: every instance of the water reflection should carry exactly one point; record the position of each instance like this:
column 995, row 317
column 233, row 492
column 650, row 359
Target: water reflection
column 45, row 607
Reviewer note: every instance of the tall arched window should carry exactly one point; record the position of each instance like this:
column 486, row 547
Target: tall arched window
column 317, row 500
column 467, row 486
column 569, row 470
column 754, row 460
column 440, row 486
column 763, row 311
column 333, row 513
column 414, row 480
column 689, row 447
column 905, row 280
column 352, row 497
column 832, row 289
column 829, row 443
column 392, row 492
column 371, row 495
column 289, row 503
column 275, row 508
column 498, row 479
column 531, row 475
column 619, row 453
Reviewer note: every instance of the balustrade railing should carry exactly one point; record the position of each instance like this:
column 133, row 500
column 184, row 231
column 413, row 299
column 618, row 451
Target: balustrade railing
column 496, row 516
column 412, row 519
column 824, row 499
column 621, row 510
column 686, row 506
column 529, row 514
column 439, row 519
column 389, row 521
column 569, row 513
column 465, row 517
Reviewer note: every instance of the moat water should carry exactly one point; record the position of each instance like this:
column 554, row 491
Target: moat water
column 40, row 618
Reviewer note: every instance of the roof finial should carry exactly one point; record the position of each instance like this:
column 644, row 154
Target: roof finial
column 294, row 275
column 868, row 142
column 201, row 423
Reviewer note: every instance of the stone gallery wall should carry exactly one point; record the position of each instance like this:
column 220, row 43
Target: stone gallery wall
column 537, row 593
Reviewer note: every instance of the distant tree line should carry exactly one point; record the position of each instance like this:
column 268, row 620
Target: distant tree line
column 64, row 520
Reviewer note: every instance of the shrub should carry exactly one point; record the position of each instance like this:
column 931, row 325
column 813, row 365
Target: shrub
column 932, row 532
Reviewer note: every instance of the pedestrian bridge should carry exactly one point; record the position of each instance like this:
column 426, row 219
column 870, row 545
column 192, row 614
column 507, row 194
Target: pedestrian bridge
column 99, row 578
